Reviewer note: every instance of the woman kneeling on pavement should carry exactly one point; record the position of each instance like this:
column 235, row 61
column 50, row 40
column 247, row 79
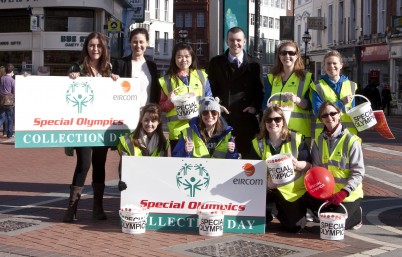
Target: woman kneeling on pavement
column 275, row 138
column 339, row 151
column 146, row 140
column 208, row 136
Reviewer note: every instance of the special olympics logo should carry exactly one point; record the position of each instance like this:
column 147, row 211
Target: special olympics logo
column 192, row 178
column 79, row 94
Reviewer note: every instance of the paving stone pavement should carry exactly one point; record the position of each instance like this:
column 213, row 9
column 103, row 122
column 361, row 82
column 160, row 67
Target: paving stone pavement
column 33, row 197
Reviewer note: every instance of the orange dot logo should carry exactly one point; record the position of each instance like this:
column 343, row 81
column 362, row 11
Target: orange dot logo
column 249, row 169
column 125, row 85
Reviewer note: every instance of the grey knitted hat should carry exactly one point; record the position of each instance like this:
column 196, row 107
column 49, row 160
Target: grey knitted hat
column 210, row 104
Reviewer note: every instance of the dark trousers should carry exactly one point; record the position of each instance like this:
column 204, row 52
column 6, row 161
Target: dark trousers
column 85, row 157
column 291, row 215
column 388, row 106
column 353, row 208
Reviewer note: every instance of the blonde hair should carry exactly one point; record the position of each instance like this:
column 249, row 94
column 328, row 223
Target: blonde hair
column 277, row 69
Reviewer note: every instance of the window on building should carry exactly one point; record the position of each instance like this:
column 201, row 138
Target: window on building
column 166, row 43
column 157, row 42
column 188, row 20
column 179, row 20
column 367, row 18
column 299, row 35
column 277, row 24
column 298, row 2
column 64, row 19
column 283, row 4
column 341, row 21
column 252, row 19
column 266, row 3
column 146, row 4
column 166, row 10
column 277, row 3
column 352, row 28
column 270, row 22
column 399, row 8
column 200, row 20
column 157, row 9
column 330, row 21
column 200, row 47
column 382, row 12
column 265, row 21
column 20, row 19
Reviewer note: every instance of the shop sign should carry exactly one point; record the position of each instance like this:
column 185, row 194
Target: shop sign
column 315, row 23
column 397, row 21
column 396, row 52
column 16, row 42
column 113, row 26
column 86, row 111
column 137, row 11
column 173, row 189
column 65, row 41
column 374, row 53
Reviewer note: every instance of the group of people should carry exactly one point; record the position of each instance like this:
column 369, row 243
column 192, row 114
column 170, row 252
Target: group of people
column 234, row 120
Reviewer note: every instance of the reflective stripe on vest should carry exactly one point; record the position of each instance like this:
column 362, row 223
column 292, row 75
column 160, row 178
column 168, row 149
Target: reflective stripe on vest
column 299, row 118
column 294, row 189
column 127, row 143
column 326, row 93
column 175, row 125
column 338, row 163
column 219, row 151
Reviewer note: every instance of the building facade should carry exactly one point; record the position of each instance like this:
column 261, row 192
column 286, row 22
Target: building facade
column 49, row 36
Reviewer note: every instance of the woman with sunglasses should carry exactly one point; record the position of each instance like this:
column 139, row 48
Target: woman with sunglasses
column 276, row 138
column 334, row 87
column 183, row 76
column 146, row 140
column 288, row 76
column 209, row 136
column 339, row 151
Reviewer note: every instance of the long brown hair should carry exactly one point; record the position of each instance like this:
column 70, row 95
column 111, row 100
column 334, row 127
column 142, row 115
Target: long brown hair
column 104, row 65
column 285, row 133
column 278, row 66
column 201, row 125
column 155, row 112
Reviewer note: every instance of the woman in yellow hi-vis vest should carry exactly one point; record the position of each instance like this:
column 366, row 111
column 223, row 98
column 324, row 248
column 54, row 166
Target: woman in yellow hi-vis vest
column 334, row 87
column 146, row 140
column 339, row 151
column 275, row 138
column 289, row 77
column 209, row 136
column 183, row 74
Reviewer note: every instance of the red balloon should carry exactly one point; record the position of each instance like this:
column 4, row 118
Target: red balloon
column 319, row 182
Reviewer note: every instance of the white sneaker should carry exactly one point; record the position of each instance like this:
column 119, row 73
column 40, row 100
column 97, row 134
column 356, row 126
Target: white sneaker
column 360, row 224
column 311, row 217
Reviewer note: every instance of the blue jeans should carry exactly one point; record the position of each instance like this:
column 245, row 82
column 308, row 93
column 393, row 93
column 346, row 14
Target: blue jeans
column 7, row 113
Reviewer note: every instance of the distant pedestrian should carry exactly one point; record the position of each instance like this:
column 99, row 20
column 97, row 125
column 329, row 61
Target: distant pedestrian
column 7, row 88
column 373, row 94
column 386, row 99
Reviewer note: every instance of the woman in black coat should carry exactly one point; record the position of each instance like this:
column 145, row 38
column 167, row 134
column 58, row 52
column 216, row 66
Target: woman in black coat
column 136, row 66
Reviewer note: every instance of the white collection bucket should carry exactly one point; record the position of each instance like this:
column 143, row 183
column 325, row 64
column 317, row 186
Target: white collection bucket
column 186, row 104
column 332, row 224
column 211, row 221
column 133, row 219
column 284, row 105
column 362, row 115
column 280, row 167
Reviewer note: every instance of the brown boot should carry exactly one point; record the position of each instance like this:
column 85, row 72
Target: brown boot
column 98, row 213
column 75, row 195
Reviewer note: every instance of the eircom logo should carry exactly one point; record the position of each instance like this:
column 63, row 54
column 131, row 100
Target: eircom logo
column 126, row 86
column 192, row 178
column 249, row 171
column 79, row 94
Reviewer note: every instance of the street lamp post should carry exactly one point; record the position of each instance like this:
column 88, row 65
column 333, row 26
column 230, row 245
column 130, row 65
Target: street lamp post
column 306, row 38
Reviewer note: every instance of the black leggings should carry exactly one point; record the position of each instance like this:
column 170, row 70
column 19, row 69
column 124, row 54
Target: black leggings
column 86, row 156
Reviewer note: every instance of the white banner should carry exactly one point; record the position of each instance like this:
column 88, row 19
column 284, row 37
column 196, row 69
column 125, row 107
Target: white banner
column 54, row 111
column 173, row 189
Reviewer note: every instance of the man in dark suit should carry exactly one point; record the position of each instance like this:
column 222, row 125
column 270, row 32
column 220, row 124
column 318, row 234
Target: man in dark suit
column 236, row 78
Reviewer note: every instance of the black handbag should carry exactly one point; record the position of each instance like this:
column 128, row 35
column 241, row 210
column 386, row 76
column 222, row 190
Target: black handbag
column 7, row 100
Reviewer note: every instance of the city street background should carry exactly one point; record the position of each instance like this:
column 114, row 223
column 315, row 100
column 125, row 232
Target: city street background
column 34, row 186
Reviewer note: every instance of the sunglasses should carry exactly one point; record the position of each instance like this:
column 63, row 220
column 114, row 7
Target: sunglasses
column 290, row 53
column 276, row 119
column 206, row 113
column 326, row 115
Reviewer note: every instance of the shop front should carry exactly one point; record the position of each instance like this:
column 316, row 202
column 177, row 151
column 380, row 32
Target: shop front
column 395, row 66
